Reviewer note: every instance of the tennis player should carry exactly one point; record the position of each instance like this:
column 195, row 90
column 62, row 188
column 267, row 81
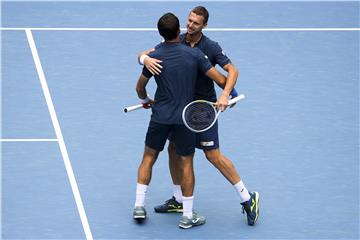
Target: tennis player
column 207, row 141
column 175, row 89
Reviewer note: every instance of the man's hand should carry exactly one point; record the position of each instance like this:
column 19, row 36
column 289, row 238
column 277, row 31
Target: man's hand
column 222, row 102
column 153, row 65
column 147, row 102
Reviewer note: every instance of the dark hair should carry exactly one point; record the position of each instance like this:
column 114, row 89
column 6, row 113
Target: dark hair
column 201, row 11
column 168, row 26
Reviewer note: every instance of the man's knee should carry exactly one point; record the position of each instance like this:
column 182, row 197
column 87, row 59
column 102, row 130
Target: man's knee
column 213, row 155
column 150, row 155
column 186, row 161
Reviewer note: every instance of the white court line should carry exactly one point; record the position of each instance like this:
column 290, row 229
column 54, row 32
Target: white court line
column 210, row 1
column 59, row 136
column 183, row 29
column 28, row 140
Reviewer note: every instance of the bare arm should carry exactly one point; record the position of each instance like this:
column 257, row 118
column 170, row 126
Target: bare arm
column 141, row 92
column 141, row 87
column 152, row 64
column 232, row 75
column 227, row 84
column 220, row 80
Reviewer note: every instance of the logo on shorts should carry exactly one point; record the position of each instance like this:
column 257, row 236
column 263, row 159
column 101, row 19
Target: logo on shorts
column 207, row 144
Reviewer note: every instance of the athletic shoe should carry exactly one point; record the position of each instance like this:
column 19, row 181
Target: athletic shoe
column 251, row 208
column 196, row 220
column 139, row 213
column 169, row 206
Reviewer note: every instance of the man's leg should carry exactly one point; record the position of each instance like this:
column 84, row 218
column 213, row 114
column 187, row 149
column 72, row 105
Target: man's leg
column 189, row 218
column 250, row 201
column 227, row 169
column 185, row 148
column 223, row 164
column 174, row 204
column 154, row 143
column 143, row 180
column 174, row 166
column 187, row 175
column 209, row 142
column 145, row 168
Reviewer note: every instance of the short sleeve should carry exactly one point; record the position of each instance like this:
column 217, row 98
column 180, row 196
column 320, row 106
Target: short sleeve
column 146, row 72
column 220, row 56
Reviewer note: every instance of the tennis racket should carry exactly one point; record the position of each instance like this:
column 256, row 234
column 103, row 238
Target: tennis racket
column 201, row 115
column 133, row 108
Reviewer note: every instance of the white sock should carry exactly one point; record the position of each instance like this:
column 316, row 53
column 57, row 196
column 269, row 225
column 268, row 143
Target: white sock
column 140, row 194
column 243, row 192
column 188, row 206
column 177, row 193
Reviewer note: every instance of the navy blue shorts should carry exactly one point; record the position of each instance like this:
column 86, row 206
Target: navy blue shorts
column 209, row 139
column 158, row 133
column 205, row 140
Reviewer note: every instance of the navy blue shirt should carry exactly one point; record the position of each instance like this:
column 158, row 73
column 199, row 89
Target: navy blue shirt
column 205, row 85
column 176, row 83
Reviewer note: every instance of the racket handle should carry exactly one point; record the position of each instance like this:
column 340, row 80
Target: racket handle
column 236, row 99
column 132, row 108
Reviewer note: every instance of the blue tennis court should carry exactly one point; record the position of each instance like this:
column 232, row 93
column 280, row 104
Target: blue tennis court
column 69, row 154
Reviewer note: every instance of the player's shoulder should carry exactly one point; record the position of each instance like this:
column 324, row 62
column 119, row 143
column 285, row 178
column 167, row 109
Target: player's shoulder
column 159, row 45
column 154, row 54
column 209, row 42
column 158, row 48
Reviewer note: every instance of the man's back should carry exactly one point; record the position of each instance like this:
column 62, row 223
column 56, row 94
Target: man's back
column 176, row 83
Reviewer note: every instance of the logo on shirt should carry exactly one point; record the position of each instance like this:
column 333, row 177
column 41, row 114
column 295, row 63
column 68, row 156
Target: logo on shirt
column 207, row 144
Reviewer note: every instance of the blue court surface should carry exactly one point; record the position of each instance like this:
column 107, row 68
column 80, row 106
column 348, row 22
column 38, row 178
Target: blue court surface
column 69, row 154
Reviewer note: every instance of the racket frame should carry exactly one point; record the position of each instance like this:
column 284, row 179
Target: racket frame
column 231, row 101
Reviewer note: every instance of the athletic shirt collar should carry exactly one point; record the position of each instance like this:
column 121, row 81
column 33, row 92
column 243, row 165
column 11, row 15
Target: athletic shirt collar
column 183, row 40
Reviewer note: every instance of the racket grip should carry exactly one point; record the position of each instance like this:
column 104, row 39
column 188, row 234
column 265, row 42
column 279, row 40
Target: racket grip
column 132, row 108
column 236, row 99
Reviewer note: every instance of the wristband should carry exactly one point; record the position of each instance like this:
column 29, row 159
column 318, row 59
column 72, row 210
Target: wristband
column 233, row 93
column 145, row 100
column 142, row 59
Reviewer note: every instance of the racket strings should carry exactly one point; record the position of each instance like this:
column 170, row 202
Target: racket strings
column 199, row 115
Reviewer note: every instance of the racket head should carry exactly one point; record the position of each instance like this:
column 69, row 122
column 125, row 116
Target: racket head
column 199, row 115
